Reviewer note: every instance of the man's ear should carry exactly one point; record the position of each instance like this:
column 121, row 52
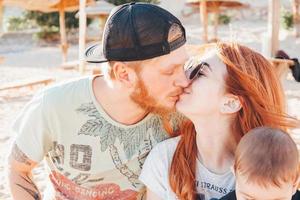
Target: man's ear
column 124, row 74
column 230, row 104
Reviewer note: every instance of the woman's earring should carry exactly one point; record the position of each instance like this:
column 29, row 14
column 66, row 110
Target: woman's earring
column 230, row 106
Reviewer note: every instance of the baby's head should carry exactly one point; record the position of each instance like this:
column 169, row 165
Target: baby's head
column 266, row 165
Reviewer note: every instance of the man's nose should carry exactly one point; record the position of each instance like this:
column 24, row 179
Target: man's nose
column 182, row 80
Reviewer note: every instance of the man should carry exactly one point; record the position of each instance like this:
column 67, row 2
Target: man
column 95, row 132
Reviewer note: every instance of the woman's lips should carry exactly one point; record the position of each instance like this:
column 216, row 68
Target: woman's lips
column 186, row 92
column 174, row 98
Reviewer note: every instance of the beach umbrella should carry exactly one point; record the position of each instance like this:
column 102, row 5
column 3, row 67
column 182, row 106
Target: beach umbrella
column 213, row 6
column 1, row 17
column 60, row 6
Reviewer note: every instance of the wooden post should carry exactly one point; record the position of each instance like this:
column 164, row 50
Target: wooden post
column 62, row 29
column 296, row 17
column 216, row 10
column 1, row 26
column 82, row 35
column 204, row 19
column 1, row 18
column 273, row 26
column 102, row 21
column 282, row 67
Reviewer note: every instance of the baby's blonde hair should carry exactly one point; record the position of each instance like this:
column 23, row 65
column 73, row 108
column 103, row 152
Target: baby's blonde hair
column 267, row 156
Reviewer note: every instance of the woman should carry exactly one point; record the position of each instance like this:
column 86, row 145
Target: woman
column 233, row 89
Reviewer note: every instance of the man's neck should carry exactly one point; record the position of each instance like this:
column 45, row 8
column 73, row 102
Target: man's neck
column 117, row 103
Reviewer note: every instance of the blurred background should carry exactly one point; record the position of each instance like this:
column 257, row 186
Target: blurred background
column 42, row 42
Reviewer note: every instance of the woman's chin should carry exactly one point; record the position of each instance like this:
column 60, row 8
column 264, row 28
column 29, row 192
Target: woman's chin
column 180, row 106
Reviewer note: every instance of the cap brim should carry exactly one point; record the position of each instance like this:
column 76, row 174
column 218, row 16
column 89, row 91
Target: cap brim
column 94, row 54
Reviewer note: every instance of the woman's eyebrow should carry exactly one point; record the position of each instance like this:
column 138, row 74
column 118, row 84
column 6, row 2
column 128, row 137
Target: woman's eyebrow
column 207, row 65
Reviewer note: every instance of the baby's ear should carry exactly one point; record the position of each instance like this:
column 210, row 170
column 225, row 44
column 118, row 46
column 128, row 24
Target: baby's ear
column 296, row 184
column 230, row 104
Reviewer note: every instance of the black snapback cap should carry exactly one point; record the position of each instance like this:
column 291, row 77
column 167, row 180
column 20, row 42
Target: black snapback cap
column 137, row 31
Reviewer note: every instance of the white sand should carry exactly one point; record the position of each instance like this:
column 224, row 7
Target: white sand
column 26, row 59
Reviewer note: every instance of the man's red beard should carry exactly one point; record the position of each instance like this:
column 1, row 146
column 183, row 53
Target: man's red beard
column 147, row 102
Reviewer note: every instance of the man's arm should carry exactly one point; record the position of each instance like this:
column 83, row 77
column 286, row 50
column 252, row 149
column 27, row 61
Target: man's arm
column 20, row 177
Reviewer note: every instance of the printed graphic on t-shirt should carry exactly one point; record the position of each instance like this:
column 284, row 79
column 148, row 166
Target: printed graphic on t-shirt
column 71, row 191
column 126, row 149
column 211, row 189
column 135, row 141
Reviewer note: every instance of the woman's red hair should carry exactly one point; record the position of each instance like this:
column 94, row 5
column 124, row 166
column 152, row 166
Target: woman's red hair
column 252, row 78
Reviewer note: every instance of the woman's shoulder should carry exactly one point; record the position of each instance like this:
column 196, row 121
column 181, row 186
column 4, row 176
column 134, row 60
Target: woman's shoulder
column 165, row 149
column 168, row 144
column 162, row 154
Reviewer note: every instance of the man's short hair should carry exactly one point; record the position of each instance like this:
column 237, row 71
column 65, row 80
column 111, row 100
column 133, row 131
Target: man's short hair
column 267, row 156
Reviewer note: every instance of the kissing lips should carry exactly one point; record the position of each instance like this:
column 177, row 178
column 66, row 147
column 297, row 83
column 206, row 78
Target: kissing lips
column 174, row 98
column 186, row 92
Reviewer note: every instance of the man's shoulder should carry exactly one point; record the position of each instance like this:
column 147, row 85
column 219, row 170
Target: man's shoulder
column 71, row 88
column 69, row 84
column 163, row 152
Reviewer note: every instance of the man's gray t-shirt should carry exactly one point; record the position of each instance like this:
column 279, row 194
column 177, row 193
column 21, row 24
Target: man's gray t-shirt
column 90, row 156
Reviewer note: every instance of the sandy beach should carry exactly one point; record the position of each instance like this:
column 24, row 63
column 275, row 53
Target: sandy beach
column 20, row 64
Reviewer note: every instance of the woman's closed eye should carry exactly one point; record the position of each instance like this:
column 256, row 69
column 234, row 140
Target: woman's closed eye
column 202, row 71
column 200, row 74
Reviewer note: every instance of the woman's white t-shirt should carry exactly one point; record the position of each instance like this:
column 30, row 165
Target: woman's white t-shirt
column 155, row 175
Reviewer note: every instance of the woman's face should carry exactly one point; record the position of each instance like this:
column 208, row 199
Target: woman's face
column 203, row 97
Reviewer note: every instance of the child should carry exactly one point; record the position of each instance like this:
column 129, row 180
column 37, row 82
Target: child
column 266, row 167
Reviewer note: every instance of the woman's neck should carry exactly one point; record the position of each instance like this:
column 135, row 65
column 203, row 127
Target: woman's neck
column 215, row 143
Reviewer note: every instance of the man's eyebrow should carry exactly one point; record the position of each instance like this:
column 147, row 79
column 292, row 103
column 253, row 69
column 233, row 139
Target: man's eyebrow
column 173, row 66
column 178, row 64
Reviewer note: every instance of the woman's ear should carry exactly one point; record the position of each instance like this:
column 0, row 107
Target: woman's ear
column 230, row 104
column 124, row 74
